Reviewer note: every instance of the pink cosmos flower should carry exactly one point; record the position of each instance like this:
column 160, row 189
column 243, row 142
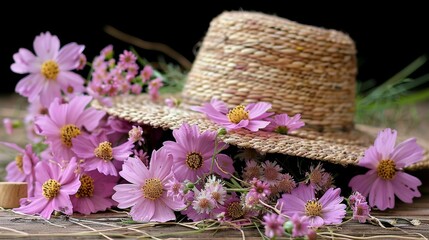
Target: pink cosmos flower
column 317, row 176
column 285, row 185
column 8, row 126
column 271, row 173
column 146, row 194
column 251, row 170
column 302, row 201
column 273, row 225
column 54, row 185
column 67, row 121
column 94, row 193
column 146, row 73
column 354, row 198
column 386, row 178
column 99, row 153
column 49, row 71
column 250, row 117
column 154, row 87
column 127, row 59
column 300, row 226
column 192, row 152
column 259, row 189
column 233, row 209
column 203, row 202
column 136, row 89
column 361, row 211
column 135, row 134
column 191, row 213
column 22, row 169
column 284, row 124
column 175, row 190
column 214, row 188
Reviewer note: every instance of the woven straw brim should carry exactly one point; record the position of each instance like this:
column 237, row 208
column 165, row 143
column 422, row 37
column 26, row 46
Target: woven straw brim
column 316, row 146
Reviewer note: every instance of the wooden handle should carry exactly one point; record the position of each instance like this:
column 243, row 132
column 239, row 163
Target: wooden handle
column 11, row 192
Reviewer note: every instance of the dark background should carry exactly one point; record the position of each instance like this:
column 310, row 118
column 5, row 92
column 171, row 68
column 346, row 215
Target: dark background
column 387, row 37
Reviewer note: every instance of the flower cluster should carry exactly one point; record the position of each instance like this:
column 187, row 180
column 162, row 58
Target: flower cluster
column 83, row 161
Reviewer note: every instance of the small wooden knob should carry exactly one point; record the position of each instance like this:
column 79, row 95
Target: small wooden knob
column 11, row 192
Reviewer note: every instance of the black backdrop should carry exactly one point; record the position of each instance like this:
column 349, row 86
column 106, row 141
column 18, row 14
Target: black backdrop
column 387, row 37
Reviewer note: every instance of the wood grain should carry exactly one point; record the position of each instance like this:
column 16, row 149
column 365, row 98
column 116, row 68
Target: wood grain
column 11, row 192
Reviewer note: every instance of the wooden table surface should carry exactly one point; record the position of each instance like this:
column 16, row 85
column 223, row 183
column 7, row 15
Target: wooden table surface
column 111, row 225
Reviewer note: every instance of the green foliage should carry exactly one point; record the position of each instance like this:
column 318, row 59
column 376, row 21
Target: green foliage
column 394, row 99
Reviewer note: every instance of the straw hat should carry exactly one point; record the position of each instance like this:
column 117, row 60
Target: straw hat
column 248, row 57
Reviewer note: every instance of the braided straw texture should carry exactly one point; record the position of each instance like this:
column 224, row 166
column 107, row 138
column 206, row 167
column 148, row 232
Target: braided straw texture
column 249, row 57
column 142, row 110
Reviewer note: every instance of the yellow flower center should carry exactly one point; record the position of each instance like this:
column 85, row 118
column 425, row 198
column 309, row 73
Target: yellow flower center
column 234, row 210
column 313, row 208
column 67, row 133
column 386, row 169
column 104, row 151
column 50, row 69
column 194, row 160
column 237, row 114
column 19, row 163
column 51, row 188
column 86, row 188
column 152, row 188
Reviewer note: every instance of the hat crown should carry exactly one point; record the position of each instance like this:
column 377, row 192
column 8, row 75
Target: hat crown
column 252, row 57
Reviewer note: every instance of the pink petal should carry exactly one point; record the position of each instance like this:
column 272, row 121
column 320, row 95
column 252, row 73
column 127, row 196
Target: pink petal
column 371, row 158
column 83, row 147
column 363, row 183
column 24, row 62
column 315, row 221
column 107, row 168
column 135, row 171
column 127, row 195
column 76, row 107
column 83, row 205
column 331, row 197
column 44, row 171
column 304, row 192
column 407, row 153
column 255, row 125
column 219, row 105
column 161, row 163
column 37, row 205
column 385, row 142
column 162, row 213
column 123, row 151
column 381, row 194
column 172, row 204
column 62, row 203
column 290, row 204
column 68, row 79
column 90, row 118
column 14, row 174
column 51, row 90
column 258, row 109
column 405, row 186
column 143, row 211
column 226, row 164
column 46, row 46
column 68, row 57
